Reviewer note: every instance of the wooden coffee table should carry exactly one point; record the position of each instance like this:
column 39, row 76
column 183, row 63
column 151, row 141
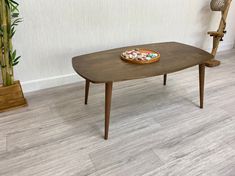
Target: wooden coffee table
column 107, row 67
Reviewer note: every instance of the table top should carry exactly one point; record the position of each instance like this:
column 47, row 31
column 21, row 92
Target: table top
column 106, row 66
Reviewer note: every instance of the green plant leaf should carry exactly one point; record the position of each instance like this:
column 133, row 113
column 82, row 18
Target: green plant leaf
column 14, row 55
column 15, row 63
column 16, row 22
column 8, row 3
column 13, row 5
column 12, row 32
column 15, row 15
column 13, row 2
column 17, row 59
column 14, row 9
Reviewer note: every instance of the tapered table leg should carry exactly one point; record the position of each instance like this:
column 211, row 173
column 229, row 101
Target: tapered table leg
column 108, row 99
column 87, row 91
column 201, row 84
column 165, row 79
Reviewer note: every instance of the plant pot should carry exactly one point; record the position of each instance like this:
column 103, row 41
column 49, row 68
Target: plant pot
column 11, row 97
column 218, row 5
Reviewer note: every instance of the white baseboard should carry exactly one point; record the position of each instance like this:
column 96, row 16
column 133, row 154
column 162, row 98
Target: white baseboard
column 226, row 46
column 34, row 85
column 39, row 84
column 223, row 47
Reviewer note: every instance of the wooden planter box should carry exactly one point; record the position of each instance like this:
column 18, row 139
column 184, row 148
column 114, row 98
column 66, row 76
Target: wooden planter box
column 11, row 97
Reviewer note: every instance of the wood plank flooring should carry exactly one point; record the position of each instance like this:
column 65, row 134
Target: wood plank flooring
column 155, row 130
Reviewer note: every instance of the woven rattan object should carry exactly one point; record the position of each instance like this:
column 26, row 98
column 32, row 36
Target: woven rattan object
column 218, row 5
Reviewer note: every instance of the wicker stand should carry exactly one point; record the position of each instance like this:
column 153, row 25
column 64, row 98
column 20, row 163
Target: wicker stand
column 223, row 6
column 11, row 97
column 213, row 63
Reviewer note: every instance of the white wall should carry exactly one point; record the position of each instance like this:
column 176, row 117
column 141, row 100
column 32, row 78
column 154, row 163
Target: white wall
column 54, row 31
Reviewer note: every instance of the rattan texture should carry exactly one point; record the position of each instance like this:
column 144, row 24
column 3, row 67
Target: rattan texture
column 218, row 5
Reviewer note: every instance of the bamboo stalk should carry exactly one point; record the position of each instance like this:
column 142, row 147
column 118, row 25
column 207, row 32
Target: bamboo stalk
column 8, row 59
column 5, row 38
column 2, row 61
column 2, row 58
column 1, row 55
column 10, row 71
column 5, row 28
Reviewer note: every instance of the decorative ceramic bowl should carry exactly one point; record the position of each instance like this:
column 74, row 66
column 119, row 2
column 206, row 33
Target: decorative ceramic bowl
column 140, row 56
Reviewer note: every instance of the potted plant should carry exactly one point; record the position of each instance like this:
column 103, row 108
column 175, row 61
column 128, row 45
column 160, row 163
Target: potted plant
column 11, row 95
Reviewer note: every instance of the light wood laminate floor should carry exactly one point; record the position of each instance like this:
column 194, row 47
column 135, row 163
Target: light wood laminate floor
column 154, row 130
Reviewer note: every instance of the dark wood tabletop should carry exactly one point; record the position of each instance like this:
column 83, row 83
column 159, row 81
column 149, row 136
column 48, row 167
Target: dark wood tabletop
column 106, row 66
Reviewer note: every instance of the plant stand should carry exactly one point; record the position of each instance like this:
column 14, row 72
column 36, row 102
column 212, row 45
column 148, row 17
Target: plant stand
column 219, row 34
column 213, row 63
column 11, row 97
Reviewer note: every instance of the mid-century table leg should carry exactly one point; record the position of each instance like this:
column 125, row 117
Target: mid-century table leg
column 201, row 83
column 165, row 79
column 108, row 99
column 87, row 91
